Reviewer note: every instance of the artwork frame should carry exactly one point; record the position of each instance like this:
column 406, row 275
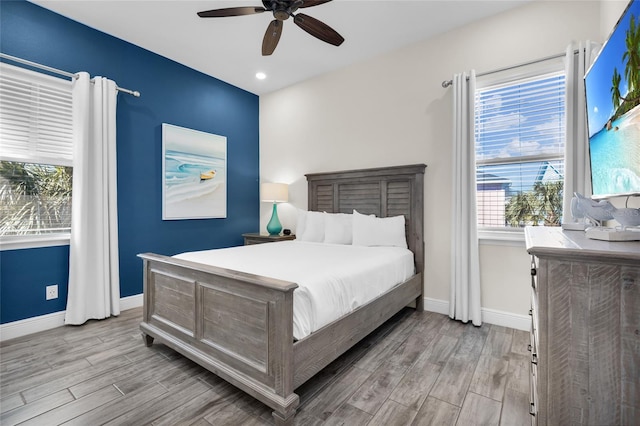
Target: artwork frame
column 194, row 174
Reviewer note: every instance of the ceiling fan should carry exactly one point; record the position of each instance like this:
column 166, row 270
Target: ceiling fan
column 282, row 10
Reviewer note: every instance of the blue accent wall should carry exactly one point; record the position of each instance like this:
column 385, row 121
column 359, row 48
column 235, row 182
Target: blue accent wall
column 171, row 93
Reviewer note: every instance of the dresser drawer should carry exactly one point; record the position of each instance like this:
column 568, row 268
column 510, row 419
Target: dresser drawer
column 534, row 273
column 535, row 324
column 533, row 395
column 533, row 343
column 533, row 347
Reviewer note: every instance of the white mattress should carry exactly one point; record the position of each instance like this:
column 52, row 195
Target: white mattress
column 333, row 279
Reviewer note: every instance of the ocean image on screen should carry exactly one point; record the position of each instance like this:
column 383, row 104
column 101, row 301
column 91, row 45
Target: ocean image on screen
column 615, row 156
column 195, row 173
column 613, row 109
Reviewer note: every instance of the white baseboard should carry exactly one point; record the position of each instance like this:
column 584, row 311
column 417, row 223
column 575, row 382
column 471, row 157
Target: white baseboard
column 24, row 327
column 490, row 316
column 506, row 319
column 436, row 305
column 28, row 326
column 20, row 328
column 131, row 302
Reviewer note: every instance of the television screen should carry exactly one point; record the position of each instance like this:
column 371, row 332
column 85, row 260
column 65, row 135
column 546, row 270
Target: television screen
column 612, row 86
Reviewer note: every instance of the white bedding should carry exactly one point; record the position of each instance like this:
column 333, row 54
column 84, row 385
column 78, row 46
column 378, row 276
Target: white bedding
column 333, row 279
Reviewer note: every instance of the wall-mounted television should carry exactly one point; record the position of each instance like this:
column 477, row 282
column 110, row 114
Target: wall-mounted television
column 612, row 86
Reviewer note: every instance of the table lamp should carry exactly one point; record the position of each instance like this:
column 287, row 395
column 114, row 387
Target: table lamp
column 275, row 193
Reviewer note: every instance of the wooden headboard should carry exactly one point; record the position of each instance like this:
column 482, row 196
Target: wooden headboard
column 385, row 192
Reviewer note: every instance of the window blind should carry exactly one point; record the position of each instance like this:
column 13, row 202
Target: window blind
column 36, row 153
column 36, row 117
column 520, row 137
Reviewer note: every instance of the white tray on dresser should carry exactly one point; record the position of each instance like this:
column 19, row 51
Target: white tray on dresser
column 585, row 338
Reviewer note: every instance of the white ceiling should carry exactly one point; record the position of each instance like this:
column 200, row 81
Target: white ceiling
column 230, row 48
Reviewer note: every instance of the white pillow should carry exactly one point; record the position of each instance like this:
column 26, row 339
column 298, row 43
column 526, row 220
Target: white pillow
column 301, row 222
column 313, row 228
column 338, row 228
column 377, row 231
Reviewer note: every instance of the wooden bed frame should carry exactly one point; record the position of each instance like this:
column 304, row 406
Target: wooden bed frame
column 240, row 326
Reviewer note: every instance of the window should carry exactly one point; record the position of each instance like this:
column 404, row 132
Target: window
column 520, row 137
column 36, row 153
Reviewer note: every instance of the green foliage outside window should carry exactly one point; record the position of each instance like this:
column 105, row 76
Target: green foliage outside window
column 34, row 198
column 542, row 205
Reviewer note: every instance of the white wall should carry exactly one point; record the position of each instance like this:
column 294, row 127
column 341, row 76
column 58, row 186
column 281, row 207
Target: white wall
column 610, row 12
column 392, row 110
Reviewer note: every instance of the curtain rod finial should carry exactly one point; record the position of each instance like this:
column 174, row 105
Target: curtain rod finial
column 447, row 83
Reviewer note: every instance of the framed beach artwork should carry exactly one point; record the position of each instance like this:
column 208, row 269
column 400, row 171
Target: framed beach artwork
column 194, row 174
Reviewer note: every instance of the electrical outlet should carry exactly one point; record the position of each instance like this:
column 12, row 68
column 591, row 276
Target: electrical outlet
column 52, row 292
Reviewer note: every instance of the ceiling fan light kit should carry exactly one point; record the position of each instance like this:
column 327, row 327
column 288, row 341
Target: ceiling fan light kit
column 282, row 10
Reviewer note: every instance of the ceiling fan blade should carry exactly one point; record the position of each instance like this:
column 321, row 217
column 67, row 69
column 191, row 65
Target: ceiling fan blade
column 311, row 3
column 271, row 37
column 231, row 11
column 318, row 29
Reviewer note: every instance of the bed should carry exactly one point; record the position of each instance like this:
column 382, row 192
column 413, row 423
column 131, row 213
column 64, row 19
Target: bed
column 240, row 325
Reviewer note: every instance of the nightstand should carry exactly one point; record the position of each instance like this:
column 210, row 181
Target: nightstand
column 253, row 238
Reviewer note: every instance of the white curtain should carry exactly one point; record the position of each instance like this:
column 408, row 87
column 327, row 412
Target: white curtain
column 94, row 285
column 464, row 299
column 577, row 171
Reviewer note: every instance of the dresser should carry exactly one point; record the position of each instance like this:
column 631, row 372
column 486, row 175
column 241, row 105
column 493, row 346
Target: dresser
column 585, row 329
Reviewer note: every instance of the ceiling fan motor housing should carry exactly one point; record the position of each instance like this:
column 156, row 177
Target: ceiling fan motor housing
column 282, row 9
column 281, row 14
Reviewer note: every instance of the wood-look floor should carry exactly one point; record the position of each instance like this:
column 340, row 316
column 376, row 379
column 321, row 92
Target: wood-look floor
column 418, row 369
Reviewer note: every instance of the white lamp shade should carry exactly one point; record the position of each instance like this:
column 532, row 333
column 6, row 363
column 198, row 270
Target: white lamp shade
column 274, row 192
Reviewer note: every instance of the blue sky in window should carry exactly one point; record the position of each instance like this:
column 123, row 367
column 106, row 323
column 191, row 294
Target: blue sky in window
column 598, row 80
column 519, row 120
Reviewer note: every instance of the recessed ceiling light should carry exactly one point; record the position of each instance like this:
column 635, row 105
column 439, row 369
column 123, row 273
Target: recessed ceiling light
column 261, row 76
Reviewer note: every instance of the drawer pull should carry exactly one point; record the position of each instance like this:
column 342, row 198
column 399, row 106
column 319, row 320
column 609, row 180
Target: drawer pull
column 532, row 409
column 531, row 312
column 533, row 272
column 534, row 359
column 529, row 348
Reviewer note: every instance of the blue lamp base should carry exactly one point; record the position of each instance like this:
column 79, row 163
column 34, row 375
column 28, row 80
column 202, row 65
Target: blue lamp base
column 274, row 227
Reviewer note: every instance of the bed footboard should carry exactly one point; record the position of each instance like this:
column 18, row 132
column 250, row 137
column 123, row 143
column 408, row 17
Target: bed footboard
column 315, row 352
column 237, row 325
